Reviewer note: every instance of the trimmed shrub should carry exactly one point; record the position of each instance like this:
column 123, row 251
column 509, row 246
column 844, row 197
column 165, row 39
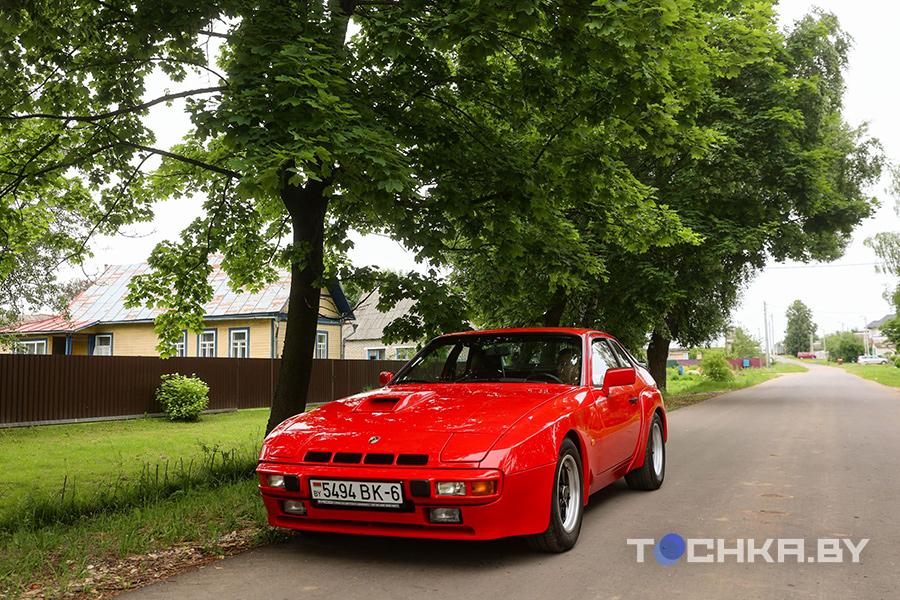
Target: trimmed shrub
column 716, row 367
column 182, row 398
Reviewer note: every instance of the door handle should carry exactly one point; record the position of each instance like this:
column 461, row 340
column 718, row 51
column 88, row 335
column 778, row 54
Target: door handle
column 633, row 400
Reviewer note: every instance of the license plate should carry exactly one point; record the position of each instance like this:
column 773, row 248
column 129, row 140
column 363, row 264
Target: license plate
column 380, row 494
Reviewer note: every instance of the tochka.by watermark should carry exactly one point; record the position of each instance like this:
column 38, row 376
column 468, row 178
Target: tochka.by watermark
column 672, row 547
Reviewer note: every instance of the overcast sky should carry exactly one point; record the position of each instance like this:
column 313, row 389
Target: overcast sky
column 841, row 294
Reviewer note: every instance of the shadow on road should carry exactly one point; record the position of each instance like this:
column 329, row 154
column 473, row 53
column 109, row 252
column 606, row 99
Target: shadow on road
column 433, row 554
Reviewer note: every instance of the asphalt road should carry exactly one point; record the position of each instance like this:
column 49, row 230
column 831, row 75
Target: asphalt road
column 812, row 455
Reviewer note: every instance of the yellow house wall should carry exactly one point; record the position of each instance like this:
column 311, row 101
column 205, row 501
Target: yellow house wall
column 139, row 339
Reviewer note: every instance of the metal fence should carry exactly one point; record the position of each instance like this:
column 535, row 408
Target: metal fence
column 53, row 389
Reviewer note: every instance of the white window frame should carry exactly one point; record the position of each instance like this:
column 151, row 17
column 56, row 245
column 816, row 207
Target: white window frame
column 380, row 349
column 30, row 346
column 97, row 345
column 201, row 344
column 232, row 353
column 321, row 350
column 181, row 347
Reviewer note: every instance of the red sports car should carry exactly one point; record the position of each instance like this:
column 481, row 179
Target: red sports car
column 482, row 435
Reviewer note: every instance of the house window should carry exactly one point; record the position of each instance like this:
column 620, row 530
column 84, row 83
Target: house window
column 31, row 347
column 103, row 344
column 375, row 353
column 239, row 343
column 405, row 353
column 321, row 344
column 206, row 343
column 181, row 346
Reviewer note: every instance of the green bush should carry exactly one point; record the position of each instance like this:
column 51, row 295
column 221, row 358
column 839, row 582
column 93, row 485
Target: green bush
column 715, row 367
column 182, row 398
column 896, row 359
column 845, row 345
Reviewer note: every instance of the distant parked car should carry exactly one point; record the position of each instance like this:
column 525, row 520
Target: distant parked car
column 806, row 355
column 872, row 360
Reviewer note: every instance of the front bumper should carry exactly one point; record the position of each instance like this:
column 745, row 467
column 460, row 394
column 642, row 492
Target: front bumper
column 521, row 505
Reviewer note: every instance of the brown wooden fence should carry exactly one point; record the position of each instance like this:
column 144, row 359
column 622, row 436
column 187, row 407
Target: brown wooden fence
column 51, row 388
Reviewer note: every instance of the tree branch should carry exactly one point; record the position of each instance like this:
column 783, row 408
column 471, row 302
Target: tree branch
column 117, row 112
column 185, row 159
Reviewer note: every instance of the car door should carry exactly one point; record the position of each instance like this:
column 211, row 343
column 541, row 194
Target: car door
column 617, row 410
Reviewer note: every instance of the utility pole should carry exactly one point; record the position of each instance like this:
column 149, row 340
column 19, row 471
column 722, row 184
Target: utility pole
column 766, row 321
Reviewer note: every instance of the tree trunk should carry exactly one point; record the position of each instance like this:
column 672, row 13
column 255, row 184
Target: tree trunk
column 553, row 316
column 657, row 355
column 307, row 206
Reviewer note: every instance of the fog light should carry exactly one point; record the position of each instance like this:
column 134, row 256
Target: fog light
column 483, row 488
column 444, row 515
column 276, row 481
column 294, row 507
column 451, row 488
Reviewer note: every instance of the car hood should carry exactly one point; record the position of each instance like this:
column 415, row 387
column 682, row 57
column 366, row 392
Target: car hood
column 446, row 422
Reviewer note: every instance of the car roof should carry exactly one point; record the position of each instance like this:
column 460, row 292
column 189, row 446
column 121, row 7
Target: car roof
column 568, row 330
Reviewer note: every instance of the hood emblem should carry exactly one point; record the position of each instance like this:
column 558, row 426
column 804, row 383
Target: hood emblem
column 374, row 439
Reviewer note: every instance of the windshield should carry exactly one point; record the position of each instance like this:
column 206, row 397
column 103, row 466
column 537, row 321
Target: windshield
column 512, row 357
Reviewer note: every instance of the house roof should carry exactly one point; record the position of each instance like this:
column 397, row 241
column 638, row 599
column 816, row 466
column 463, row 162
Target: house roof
column 877, row 324
column 370, row 322
column 104, row 301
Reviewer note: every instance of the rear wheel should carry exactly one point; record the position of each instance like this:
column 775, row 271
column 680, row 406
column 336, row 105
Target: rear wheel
column 566, row 503
column 651, row 475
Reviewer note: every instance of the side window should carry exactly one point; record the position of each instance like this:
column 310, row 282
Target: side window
column 602, row 360
column 621, row 354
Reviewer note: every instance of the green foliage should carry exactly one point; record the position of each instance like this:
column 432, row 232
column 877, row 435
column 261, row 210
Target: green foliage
column 800, row 328
column 716, row 367
column 743, row 345
column 182, row 398
column 891, row 330
column 845, row 345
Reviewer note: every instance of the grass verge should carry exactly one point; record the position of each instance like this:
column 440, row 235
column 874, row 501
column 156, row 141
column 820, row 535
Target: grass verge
column 691, row 388
column 72, row 460
column 888, row 375
column 114, row 551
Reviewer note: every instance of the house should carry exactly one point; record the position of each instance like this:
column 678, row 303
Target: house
column 236, row 324
column 877, row 341
column 363, row 335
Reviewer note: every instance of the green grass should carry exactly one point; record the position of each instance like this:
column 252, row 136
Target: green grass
column 884, row 374
column 40, row 461
column 56, row 556
column 93, row 493
column 687, row 389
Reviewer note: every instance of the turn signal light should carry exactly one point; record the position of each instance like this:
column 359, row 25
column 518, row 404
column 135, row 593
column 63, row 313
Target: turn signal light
column 484, row 488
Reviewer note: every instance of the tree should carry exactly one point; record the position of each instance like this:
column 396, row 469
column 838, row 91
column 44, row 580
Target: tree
column 434, row 118
column 759, row 164
column 800, row 328
column 743, row 345
column 845, row 345
column 745, row 199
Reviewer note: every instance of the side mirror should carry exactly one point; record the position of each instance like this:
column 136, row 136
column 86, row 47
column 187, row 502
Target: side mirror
column 618, row 377
column 385, row 377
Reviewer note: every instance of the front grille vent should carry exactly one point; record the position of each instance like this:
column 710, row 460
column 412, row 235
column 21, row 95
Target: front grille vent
column 347, row 458
column 412, row 459
column 319, row 457
column 374, row 458
column 379, row 459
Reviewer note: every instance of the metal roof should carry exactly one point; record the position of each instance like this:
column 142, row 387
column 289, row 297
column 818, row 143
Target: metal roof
column 104, row 301
column 370, row 322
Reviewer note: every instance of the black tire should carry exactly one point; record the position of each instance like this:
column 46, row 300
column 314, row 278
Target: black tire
column 646, row 478
column 557, row 538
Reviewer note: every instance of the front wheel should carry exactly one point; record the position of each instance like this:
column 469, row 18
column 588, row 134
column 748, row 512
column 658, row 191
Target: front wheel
column 566, row 503
column 651, row 475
